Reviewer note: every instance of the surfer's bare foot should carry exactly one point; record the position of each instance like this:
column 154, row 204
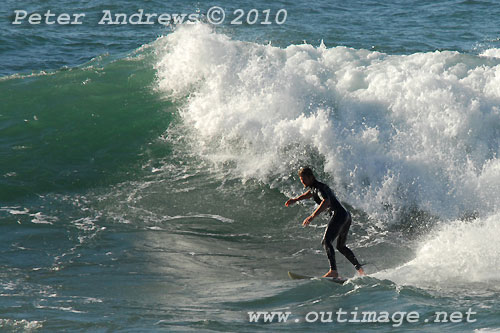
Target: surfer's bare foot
column 332, row 273
column 361, row 272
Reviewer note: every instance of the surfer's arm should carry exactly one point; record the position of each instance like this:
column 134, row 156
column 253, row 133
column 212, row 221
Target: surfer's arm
column 303, row 196
column 322, row 207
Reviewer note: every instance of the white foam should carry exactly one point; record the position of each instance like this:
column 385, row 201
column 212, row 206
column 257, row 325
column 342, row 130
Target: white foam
column 392, row 129
column 21, row 325
column 456, row 253
column 493, row 53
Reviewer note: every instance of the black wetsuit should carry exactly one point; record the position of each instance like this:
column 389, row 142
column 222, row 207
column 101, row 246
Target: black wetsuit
column 338, row 225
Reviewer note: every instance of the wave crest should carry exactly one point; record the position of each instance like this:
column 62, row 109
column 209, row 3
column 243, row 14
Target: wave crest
column 393, row 131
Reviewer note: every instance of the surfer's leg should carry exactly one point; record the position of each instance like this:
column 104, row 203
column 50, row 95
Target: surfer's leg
column 341, row 241
column 331, row 232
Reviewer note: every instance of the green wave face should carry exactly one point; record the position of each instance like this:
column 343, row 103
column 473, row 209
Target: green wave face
column 77, row 127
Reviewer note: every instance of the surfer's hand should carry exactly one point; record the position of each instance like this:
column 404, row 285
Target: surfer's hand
column 290, row 201
column 307, row 221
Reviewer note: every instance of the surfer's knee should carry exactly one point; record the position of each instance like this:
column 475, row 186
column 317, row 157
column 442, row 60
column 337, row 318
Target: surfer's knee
column 341, row 248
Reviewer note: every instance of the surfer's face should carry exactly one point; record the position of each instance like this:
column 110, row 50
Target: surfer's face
column 306, row 180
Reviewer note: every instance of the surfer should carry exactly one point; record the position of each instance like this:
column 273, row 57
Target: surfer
column 338, row 225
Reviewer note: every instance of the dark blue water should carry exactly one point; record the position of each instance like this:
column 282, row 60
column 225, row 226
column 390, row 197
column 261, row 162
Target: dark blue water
column 396, row 27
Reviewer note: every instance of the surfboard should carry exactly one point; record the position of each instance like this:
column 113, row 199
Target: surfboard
column 295, row 276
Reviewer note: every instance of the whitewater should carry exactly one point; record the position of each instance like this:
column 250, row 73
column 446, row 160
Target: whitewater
column 403, row 137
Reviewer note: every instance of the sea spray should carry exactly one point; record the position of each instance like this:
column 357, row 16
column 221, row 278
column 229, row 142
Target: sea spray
column 395, row 131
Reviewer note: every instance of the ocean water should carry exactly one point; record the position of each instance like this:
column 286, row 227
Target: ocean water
column 144, row 168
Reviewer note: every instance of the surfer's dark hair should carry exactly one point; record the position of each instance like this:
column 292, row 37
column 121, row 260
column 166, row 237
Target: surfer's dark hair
column 306, row 171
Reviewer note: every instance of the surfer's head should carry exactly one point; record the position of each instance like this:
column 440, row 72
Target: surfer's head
column 306, row 176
